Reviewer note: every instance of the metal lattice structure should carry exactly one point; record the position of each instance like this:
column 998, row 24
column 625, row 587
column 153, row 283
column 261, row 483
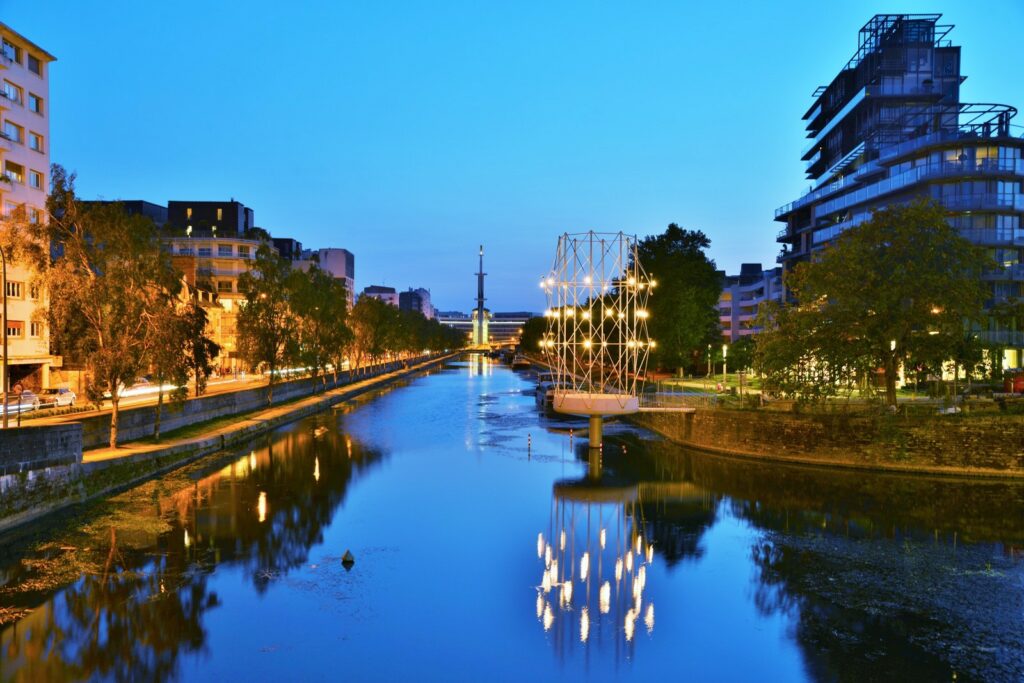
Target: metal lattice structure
column 597, row 323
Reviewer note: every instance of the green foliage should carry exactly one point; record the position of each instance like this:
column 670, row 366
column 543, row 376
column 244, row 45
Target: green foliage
column 898, row 289
column 108, row 282
column 534, row 330
column 266, row 327
column 683, row 306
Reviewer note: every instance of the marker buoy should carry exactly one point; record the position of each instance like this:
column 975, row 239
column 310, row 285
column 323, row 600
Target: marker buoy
column 348, row 559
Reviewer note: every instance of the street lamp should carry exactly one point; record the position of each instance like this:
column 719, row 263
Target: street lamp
column 725, row 362
column 709, row 360
column 3, row 277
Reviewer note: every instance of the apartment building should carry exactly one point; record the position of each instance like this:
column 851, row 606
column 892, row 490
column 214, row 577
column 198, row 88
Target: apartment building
column 890, row 128
column 742, row 296
column 386, row 294
column 416, row 300
column 338, row 263
column 24, row 185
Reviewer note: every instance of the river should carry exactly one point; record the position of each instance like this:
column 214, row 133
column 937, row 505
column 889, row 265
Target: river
column 488, row 545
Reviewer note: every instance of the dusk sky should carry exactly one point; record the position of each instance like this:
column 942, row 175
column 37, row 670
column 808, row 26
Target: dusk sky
column 410, row 133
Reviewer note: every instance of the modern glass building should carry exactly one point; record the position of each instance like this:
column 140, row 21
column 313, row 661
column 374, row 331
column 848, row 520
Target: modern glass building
column 890, row 128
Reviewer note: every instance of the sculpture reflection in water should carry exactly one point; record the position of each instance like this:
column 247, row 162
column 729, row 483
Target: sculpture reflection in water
column 595, row 561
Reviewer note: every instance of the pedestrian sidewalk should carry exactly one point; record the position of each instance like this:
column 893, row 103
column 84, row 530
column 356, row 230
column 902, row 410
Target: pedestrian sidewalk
column 226, row 431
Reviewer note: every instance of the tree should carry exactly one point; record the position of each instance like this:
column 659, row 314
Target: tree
column 534, row 330
column 107, row 279
column 319, row 303
column 372, row 320
column 683, row 308
column 898, row 288
column 167, row 358
column 200, row 351
column 266, row 331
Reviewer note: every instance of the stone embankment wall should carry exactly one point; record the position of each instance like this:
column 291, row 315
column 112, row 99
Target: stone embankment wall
column 137, row 423
column 965, row 445
column 35, row 482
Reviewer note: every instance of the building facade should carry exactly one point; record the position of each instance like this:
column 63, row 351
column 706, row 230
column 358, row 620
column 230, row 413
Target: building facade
column 416, row 300
column 24, row 186
column 742, row 296
column 891, row 128
column 386, row 294
column 338, row 263
column 221, row 218
column 212, row 266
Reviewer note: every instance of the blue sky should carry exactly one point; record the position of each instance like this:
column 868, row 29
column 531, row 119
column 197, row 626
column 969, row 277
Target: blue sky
column 410, row 132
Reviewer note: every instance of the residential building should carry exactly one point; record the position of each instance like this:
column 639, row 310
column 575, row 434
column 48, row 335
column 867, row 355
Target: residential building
column 890, row 128
column 212, row 266
column 742, row 296
column 289, row 249
column 24, row 185
column 339, row 263
column 416, row 300
column 386, row 294
column 221, row 218
column 136, row 207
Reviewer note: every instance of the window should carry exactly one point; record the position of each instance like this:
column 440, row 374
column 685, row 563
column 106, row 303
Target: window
column 224, row 286
column 35, row 180
column 11, row 92
column 224, row 250
column 14, row 290
column 220, row 214
column 205, row 251
column 35, row 141
column 10, row 208
column 33, row 215
column 15, row 172
column 14, row 132
column 15, row 328
column 35, row 103
column 188, row 213
column 34, row 65
column 35, row 330
column 33, row 292
column 243, row 251
column 185, row 251
column 11, row 51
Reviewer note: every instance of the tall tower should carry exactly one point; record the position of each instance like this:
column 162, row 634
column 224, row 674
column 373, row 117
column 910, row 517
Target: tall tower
column 480, row 333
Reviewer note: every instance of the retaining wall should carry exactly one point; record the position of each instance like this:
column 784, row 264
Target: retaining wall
column 992, row 446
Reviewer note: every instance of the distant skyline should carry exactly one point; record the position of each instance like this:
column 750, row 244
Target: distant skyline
column 410, row 133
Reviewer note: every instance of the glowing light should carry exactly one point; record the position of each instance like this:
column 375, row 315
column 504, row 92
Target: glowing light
column 652, row 344
column 650, row 552
column 570, row 312
column 549, row 617
column 545, row 583
column 252, row 460
column 641, row 576
column 621, row 315
column 631, row 344
column 641, row 313
column 654, row 283
column 585, row 625
column 603, row 537
column 547, row 313
column 540, row 545
column 554, row 571
column 188, row 541
column 636, row 587
column 561, row 540
column 316, row 469
column 639, row 542
column 631, row 281
column 630, row 625
column 567, row 592
column 649, row 617
column 585, row 315
column 540, row 605
column 629, row 562
column 547, row 555
column 604, row 597
column 587, row 279
column 261, row 506
column 618, row 569
column 587, row 343
column 584, row 566
column 551, row 281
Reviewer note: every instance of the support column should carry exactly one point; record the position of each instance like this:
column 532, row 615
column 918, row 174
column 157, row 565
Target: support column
column 596, row 428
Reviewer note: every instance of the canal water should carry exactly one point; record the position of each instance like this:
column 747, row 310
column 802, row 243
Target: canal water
column 488, row 545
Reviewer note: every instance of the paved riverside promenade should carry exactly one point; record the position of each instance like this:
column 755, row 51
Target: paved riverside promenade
column 103, row 471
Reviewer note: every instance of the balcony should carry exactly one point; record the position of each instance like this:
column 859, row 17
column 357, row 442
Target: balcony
column 993, row 237
column 1001, row 337
column 1014, row 273
column 984, row 202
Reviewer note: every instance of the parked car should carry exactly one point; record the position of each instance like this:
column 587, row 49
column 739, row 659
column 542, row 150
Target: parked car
column 26, row 400
column 58, row 397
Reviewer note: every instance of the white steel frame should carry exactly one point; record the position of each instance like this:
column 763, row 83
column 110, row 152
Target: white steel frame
column 597, row 319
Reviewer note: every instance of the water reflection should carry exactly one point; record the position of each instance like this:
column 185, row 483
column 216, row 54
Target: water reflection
column 139, row 564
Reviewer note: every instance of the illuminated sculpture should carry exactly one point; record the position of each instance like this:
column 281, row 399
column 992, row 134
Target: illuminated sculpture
column 597, row 326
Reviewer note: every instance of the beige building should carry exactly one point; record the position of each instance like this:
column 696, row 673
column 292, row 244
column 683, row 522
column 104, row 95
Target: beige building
column 24, row 184
column 214, row 263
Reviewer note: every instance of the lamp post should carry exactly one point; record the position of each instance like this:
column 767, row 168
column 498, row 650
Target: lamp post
column 3, row 278
column 709, row 360
column 725, row 363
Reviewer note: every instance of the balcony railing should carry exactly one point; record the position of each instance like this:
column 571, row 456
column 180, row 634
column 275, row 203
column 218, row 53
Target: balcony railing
column 1013, row 273
column 1001, row 337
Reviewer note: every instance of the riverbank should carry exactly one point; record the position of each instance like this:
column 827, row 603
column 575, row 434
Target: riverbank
column 27, row 495
column 965, row 446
